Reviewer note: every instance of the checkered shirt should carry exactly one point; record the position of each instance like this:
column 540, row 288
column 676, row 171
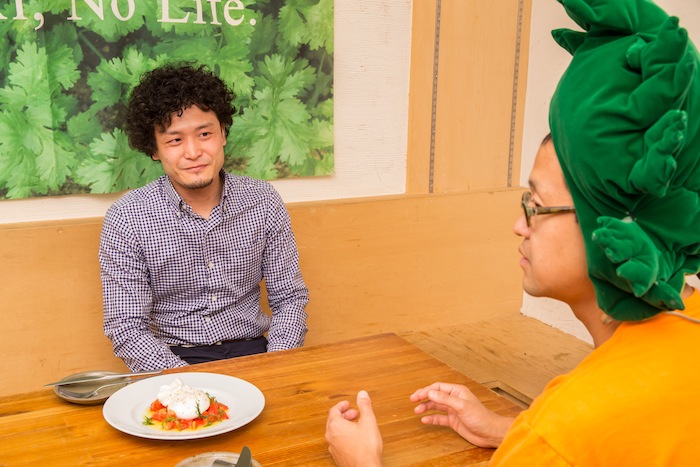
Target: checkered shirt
column 170, row 276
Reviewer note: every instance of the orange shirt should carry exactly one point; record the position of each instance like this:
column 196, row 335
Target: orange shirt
column 633, row 401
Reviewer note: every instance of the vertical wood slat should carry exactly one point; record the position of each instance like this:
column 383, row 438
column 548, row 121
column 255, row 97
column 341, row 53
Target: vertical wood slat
column 420, row 100
column 474, row 137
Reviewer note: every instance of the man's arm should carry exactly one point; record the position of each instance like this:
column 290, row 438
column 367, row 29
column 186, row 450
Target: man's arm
column 286, row 291
column 128, row 299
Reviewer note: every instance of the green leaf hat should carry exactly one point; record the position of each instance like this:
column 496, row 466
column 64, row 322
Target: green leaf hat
column 625, row 122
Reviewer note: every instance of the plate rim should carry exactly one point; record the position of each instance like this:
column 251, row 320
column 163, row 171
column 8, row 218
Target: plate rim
column 159, row 380
column 228, row 456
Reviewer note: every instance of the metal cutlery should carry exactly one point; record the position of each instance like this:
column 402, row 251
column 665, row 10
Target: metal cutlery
column 89, row 394
column 245, row 459
column 223, row 463
column 90, row 379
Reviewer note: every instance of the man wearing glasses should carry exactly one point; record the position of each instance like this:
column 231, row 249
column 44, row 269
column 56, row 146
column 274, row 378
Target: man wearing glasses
column 610, row 226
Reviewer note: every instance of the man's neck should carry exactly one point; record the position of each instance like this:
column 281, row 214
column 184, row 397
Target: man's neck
column 203, row 200
column 602, row 326
column 595, row 321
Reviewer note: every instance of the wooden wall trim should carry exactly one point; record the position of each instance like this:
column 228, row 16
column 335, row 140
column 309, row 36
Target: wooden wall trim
column 420, row 101
column 520, row 78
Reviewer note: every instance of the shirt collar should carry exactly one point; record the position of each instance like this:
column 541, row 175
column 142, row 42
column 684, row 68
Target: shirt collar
column 179, row 204
column 173, row 197
column 227, row 191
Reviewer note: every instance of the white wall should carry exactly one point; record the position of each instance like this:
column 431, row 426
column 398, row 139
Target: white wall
column 372, row 68
column 547, row 63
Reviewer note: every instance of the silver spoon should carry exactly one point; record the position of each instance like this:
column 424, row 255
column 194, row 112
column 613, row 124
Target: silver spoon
column 87, row 395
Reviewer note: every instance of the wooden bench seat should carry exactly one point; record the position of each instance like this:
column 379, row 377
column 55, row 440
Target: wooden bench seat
column 513, row 355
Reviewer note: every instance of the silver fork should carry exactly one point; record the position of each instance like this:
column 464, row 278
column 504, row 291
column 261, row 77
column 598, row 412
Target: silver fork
column 87, row 395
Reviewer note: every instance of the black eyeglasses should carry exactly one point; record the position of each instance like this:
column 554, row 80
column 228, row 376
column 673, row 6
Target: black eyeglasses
column 531, row 211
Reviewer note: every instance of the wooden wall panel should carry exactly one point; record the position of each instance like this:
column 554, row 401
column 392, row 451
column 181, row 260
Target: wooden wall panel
column 375, row 265
column 393, row 265
column 477, row 131
column 475, row 89
column 51, row 308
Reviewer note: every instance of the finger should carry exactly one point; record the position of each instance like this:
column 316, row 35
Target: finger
column 429, row 405
column 336, row 412
column 452, row 389
column 364, row 405
column 337, row 416
column 421, row 408
column 438, row 397
column 333, row 414
column 351, row 414
column 419, row 395
column 340, row 407
column 447, row 388
column 445, row 402
column 422, row 393
column 436, row 419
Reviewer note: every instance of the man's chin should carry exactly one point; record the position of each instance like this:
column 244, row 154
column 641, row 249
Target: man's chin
column 198, row 184
column 532, row 290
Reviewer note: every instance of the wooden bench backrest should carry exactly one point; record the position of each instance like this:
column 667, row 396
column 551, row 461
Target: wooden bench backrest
column 372, row 265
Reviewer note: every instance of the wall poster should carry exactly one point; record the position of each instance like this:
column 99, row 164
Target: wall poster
column 69, row 66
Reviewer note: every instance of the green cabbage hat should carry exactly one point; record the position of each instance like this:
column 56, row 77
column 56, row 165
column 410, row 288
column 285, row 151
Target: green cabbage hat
column 625, row 122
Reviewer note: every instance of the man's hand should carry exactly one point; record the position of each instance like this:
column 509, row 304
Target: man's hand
column 353, row 435
column 463, row 412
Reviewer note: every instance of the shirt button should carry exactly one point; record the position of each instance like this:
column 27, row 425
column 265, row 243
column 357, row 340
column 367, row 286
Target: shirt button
column 207, row 319
column 211, row 265
column 213, row 298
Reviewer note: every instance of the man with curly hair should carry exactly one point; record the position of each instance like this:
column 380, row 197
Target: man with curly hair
column 182, row 258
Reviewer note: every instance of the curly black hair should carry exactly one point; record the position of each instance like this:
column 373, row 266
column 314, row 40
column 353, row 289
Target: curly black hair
column 174, row 88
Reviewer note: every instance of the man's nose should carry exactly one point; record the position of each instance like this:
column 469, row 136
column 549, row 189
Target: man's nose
column 192, row 149
column 520, row 227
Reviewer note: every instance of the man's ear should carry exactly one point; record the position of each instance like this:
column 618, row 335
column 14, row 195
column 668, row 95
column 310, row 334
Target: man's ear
column 223, row 133
column 155, row 156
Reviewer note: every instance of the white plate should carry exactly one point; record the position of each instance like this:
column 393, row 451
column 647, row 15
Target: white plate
column 126, row 408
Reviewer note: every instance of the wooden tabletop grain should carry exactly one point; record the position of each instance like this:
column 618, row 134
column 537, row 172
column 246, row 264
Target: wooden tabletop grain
column 300, row 385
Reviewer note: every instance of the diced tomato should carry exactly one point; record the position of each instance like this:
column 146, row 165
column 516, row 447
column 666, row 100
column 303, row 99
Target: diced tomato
column 156, row 406
column 197, row 422
column 217, row 411
column 163, row 414
column 184, row 424
column 169, row 421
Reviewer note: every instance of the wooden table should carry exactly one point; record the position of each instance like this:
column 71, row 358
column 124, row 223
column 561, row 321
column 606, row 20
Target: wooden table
column 299, row 386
